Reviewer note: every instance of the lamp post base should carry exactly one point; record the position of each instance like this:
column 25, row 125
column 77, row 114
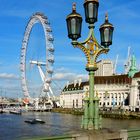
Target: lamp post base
column 84, row 123
column 91, row 124
column 96, row 113
column 86, row 113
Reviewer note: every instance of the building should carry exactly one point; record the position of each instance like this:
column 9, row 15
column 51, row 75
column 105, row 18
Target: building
column 114, row 91
column 105, row 68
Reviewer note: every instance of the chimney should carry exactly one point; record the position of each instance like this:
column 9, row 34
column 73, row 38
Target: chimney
column 75, row 82
column 79, row 82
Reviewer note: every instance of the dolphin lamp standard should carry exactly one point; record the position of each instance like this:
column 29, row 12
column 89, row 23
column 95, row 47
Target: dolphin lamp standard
column 92, row 49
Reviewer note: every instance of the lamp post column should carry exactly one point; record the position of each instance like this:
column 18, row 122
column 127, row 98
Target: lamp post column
column 96, row 113
column 91, row 71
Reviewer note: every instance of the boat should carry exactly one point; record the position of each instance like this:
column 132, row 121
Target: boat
column 5, row 111
column 15, row 112
column 35, row 121
column 1, row 111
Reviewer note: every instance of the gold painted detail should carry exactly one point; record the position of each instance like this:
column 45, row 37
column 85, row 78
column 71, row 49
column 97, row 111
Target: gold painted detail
column 97, row 94
column 92, row 50
column 87, row 94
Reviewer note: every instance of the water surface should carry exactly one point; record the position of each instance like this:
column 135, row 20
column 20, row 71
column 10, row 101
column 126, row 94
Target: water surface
column 13, row 127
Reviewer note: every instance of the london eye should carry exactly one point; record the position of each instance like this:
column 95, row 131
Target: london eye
column 45, row 67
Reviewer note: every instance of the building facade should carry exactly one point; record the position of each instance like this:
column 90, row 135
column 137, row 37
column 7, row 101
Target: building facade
column 113, row 91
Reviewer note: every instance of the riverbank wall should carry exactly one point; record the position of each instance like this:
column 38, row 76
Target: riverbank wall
column 116, row 114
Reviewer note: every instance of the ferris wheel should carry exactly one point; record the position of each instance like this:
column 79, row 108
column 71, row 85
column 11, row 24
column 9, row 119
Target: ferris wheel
column 46, row 76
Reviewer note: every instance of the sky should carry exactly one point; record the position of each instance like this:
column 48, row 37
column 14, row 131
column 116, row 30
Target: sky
column 69, row 62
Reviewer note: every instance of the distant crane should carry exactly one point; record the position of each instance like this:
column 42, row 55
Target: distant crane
column 128, row 61
column 115, row 64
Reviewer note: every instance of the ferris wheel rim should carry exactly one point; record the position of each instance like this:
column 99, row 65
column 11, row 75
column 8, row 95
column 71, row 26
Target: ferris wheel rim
column 43, row 20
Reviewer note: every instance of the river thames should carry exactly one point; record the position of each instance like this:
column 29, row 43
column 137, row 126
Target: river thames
column 13, row 127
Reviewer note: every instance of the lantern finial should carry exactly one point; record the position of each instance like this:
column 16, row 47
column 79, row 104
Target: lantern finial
column 106, row 17
column 74, row 7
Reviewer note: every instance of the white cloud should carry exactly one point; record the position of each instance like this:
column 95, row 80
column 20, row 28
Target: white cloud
column 8, row 76
column 61, row 69
column 69, row 76
column 71, row 58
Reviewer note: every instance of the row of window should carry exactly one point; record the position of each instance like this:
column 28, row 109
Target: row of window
column 112, row 103
column 112, row 81
column 71, row 89
column 74, row 103
column 111, row 97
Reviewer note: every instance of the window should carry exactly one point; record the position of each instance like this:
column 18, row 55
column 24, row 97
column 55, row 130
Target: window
column 73, row 104
column 82, row 102
column 77, row 103
column 63, row 102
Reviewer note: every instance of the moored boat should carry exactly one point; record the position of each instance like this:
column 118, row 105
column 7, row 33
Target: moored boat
column 18, row 112
column 35, row 121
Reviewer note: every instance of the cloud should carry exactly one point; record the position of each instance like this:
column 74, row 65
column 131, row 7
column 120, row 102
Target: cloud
column 9, row 76
column 61, row 69
column 69, row 76
column 71, row 58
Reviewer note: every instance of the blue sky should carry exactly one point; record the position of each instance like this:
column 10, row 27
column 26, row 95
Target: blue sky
column 69, row 62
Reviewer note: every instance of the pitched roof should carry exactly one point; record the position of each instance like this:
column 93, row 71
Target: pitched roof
column 114, row 79
column 137, row 75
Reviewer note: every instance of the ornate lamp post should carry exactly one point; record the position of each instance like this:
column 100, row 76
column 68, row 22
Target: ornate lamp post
column 92, row 49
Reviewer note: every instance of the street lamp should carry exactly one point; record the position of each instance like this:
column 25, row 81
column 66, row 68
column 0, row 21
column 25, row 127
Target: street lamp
column 74, row 24
column 106, row 33
column 91, row 10
column 92, row 49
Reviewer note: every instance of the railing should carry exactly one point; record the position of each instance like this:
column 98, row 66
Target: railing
column 67, row 137
column 100, row 135
column 134, row 134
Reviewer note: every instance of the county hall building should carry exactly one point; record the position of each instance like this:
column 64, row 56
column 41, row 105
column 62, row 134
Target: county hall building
column 113, row 91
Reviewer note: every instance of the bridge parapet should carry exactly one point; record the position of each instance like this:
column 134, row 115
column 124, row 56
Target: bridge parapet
column 133, row 134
